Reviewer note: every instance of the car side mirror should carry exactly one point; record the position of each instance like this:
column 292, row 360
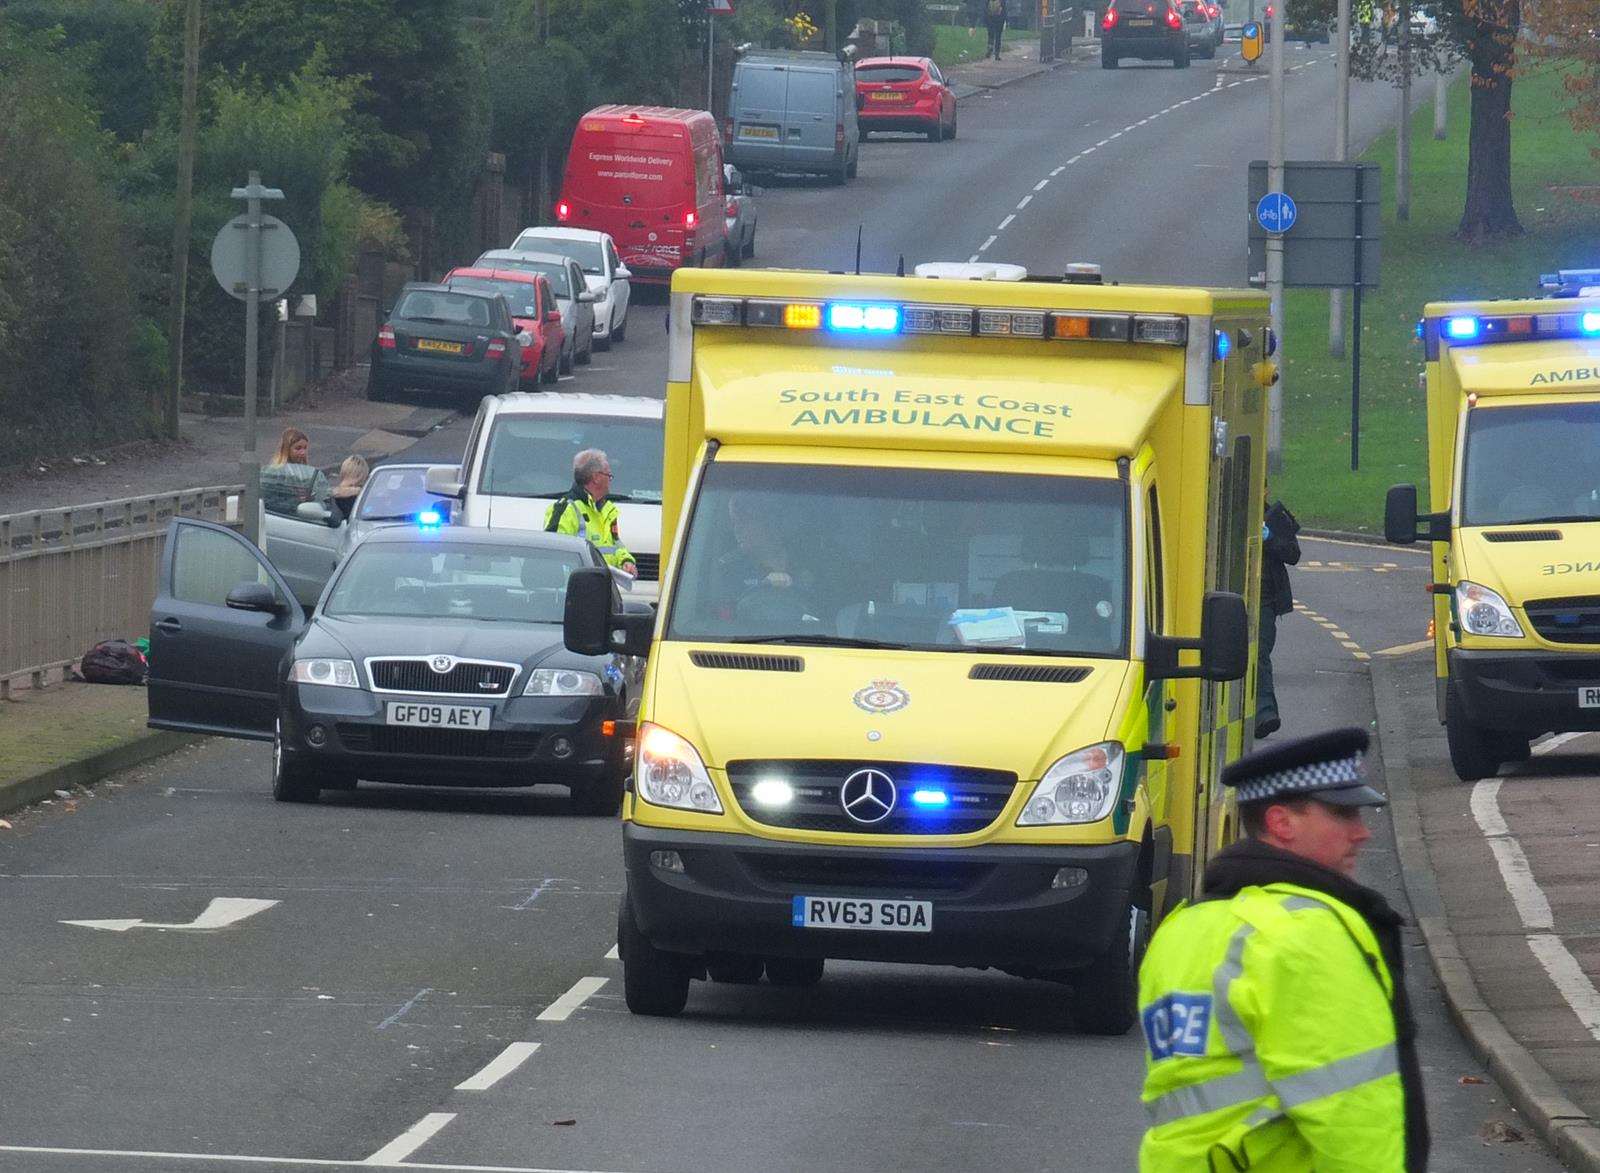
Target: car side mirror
column 622, row 273
column 587, row 296
column 444, row 480
column 552, row 315
column 596, row 621
column 312, row 511
column 254, row 596
column 1223, row 644
column 1403, row 525
column 525, row 338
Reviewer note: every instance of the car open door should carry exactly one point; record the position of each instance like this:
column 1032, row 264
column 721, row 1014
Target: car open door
column 221, row 623
column 304, row 548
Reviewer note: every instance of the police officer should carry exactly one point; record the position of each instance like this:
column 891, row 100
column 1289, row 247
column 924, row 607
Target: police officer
column 1277, row 1031
column 584, row 511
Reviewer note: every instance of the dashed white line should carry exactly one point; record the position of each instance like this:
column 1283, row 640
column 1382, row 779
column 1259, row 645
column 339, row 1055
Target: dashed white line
column 1006, row 222
column 502, row 1065
column 1555, row 742
column 1101, row 143
column 562, row 1008
column 1063, row 167
column 412, row 1139
column 1533, row 907
column 984, row 247
column 611, row 953
column 1043, row 183
column 143, row 1155
column 1026, row 200
column 1086, row 151
column 970, row 260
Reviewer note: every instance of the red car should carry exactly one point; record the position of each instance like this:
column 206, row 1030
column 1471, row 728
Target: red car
column 533, row 308
column 905, row 93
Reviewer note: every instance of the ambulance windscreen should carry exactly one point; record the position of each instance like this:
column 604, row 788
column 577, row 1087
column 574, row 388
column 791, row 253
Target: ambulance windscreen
column 1502, row 485
column 923, row 559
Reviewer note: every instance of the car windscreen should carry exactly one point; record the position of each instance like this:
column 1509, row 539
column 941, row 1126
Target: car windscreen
column 425, row 580
column 531, row 456
column 559, row 284
column 588, row 253
column 883, row 73
column 519, row 295
column 1531, row 463
column 445, row 308
column 396, row 494
column 905, row 558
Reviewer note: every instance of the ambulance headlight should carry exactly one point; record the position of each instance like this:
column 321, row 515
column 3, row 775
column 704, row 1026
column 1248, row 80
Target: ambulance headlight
column 668, row 772
column 1080, row 788
column 1483, row 612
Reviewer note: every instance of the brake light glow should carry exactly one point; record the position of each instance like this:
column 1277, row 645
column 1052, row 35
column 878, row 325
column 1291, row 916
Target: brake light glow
column 563, row 211
column 1109, row 20
column 1173, row 19
column 689, row 219
column 386, row 338
column 633, row 119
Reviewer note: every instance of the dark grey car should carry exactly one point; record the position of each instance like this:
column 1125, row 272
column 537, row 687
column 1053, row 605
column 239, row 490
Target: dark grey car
column 1151, row 30
column 461, row 342
column 1203, row 22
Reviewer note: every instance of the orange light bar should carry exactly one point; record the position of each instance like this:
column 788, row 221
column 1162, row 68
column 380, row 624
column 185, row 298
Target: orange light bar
column 608, row 728
column 1064, row 326
column 802, row 317
column 1519, row 325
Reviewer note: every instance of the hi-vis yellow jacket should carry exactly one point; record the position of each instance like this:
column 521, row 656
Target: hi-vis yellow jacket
column 579, row 516
column 1270, row 1039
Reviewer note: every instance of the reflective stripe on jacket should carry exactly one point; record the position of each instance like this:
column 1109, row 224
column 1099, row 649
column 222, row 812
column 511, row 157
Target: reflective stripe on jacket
column 582, row 518
column 1270, row 1039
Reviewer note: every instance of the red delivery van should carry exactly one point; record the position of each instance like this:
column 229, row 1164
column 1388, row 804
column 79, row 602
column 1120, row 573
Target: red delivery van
column 651, row 176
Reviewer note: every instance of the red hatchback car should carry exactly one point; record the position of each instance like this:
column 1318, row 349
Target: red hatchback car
column 533, row 308
column 905, row 93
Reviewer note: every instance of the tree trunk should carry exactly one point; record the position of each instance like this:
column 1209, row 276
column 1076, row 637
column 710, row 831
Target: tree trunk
column 1489, row 209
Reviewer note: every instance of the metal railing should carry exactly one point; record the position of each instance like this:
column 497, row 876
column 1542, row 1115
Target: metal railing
column 72, row 577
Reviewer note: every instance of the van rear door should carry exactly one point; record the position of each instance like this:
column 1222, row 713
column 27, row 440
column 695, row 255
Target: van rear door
column 637, row 187
column 812, row 116
column 758, row 110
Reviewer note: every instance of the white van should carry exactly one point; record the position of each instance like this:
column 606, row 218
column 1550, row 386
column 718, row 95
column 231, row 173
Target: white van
column 518, row 459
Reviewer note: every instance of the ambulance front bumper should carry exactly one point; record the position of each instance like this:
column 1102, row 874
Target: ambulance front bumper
column 1031, row 910
column 1528, row 692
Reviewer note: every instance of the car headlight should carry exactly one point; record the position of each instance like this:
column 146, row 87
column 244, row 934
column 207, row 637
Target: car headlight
column 1483, row 612
column 562, row 682
column 1080, row 788
column 668, row 772
column 334, row 673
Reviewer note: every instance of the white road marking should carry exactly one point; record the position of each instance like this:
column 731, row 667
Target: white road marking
column 1086, row 151
column 1044, row 183
column 973, row 258
column 1063, row 167
column 1101, row 143
column 1558, row 740
column 412, row 1139
column 289, row 1162
column 1533, row 907
column 1026, row 200
column 401, row 1013
column 1119, row 134
column 502, row 1065
column 984, row 247
column 612, row 954
column 219, row 914
column 1005, row 222
column 561, row 1009
column 1231, row 84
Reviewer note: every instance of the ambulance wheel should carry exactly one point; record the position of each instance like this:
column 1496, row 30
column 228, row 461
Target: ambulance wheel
column 1472, row 752
column 736, row 969
column 292, row 780
column 654, row 982
column 795, row 972
column 1105, row 997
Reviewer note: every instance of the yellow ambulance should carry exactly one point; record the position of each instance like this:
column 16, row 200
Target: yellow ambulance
column 954, row 628
column 1513, row 393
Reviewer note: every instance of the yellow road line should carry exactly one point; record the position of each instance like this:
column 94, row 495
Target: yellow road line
column 1406, row 649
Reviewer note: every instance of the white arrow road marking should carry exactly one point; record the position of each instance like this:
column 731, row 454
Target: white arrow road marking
column 219, row 914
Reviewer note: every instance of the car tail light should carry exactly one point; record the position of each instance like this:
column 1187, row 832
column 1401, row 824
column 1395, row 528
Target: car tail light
column 838, row 136
column 495, row 349
column 733, row 205
column 727, row 130
column 385, row 337
column 1173, row 19
column 563, row 211
column 690, row 219
column 1109, row 20
column 1213, row 11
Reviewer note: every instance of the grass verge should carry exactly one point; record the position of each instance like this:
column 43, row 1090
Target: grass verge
column 1422, row 262
column 954, row 45
column 65, row 723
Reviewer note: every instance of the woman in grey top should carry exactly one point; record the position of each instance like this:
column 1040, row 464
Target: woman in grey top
column 290, row 480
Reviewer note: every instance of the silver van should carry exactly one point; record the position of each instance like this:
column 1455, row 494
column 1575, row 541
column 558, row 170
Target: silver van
column 794, row 112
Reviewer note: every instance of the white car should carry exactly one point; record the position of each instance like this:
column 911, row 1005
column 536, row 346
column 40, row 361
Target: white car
column 607, row 276
column 518, row 460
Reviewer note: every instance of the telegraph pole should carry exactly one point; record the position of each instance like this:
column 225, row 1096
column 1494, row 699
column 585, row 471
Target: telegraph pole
column 1440, row 115
column 1274, row 241
column 183, row 207
column 1341, row 154
column 250, row 459
column 1402, row 130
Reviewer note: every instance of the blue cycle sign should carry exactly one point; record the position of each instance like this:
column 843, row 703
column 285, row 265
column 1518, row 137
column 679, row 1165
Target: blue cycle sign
column 1275, row 212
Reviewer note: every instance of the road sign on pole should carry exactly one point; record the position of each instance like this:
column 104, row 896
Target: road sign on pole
column 1250, row 42
column 719, row 7
column 1276, row 212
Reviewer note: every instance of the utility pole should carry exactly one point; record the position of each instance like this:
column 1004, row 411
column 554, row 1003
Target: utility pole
column 711, row 41
column 250, row 460
column 183, row 206
column 1341, row 154
column 1275, row 240
column 831, row 14
column 1440, row 114
column 1402, row 130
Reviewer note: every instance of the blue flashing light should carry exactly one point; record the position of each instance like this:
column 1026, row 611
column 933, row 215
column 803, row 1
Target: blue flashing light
column 846, row 318
column 1223, row 345
column 926, row 796
column 1462, row 329
column 1590, row 323
column 1422, row 329
column 429, row 519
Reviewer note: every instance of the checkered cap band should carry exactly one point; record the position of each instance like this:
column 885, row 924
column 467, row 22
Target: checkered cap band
column 1327, row 775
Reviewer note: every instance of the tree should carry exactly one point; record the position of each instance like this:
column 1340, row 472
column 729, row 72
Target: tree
column 1569, row 31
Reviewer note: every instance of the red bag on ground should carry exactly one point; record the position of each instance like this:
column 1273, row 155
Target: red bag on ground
column 114, row 661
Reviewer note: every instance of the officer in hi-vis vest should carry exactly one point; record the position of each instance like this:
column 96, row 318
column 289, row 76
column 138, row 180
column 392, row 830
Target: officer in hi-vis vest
column 1277, row 1031
column 584, row 512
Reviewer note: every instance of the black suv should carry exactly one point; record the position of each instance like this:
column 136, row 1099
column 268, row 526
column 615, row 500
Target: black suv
column 1151, row 30
column 456, row 340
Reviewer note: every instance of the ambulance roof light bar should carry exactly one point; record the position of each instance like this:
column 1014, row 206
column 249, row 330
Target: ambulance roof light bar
column 1488, row 329
column 1571, row 282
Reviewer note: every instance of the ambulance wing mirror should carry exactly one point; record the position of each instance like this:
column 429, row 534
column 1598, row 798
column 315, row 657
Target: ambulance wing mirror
column 1401, row 519
column 596, row 622
column 1224, row 644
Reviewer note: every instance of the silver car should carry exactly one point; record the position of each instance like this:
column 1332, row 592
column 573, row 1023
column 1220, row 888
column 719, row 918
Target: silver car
column 572, row 295
column 741, row 214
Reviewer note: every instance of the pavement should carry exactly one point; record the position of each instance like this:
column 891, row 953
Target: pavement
column 427, row 975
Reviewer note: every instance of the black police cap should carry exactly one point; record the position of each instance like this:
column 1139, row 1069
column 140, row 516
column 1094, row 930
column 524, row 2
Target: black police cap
column 1330, row 767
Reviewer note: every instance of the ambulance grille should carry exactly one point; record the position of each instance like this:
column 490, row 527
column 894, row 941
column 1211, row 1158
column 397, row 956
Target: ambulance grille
column 1524, row 535
column 976, row 796
column 1566, row 621
column 747, row 662
column 1028, row 673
